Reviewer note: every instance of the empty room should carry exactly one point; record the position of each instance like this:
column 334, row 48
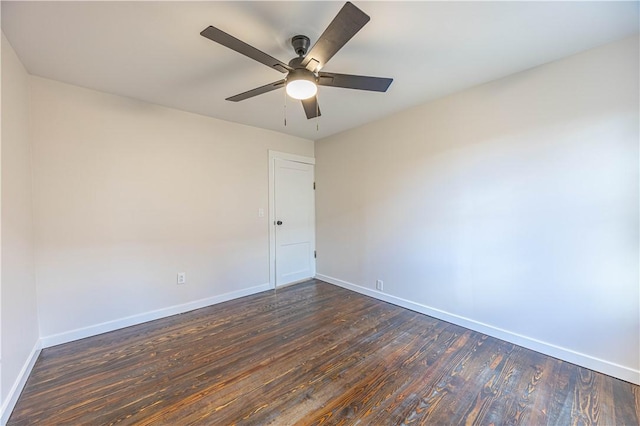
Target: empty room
column 320, row 212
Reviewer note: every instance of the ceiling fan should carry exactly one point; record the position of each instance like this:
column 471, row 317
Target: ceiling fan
column 304, row 72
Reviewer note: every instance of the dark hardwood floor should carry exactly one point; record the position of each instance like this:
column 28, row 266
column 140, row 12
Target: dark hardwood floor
column 312, row 353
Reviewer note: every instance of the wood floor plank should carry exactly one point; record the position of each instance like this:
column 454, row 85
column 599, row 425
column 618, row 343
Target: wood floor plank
column 312, row 353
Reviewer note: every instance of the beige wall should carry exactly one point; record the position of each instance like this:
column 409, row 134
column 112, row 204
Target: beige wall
column 511, row 208
column 128, row 194
column 19, row 319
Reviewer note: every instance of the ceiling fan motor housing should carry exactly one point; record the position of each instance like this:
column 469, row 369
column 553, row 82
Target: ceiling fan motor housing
column 301, row 74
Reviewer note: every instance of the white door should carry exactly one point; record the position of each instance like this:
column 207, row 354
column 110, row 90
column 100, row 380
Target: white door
column 294, row 221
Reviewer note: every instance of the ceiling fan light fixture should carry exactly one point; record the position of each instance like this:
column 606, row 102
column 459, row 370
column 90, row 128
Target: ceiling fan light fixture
column 301, row 84
column 301, row 89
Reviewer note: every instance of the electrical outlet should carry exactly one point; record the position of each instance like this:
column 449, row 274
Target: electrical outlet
column 379, row 285
column 182, row 277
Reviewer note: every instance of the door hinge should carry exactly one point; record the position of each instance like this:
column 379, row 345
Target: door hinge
column 314, row 185
column 314, row 254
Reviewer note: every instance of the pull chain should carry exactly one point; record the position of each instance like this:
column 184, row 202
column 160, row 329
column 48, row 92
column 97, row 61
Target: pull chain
column 285, row 108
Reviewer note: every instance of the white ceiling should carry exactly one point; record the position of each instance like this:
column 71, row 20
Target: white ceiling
column 153, row 51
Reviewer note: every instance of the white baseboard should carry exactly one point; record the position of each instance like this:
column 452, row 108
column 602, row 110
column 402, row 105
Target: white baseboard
column 600, row 365
column 93, row 330
column 14, row 393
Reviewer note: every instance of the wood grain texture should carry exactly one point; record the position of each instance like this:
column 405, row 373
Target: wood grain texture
column 312, row 354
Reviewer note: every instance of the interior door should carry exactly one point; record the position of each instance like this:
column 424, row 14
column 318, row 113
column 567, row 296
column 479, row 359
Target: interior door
column 294, row 223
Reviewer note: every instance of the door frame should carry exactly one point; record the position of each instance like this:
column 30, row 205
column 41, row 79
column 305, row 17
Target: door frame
column 273, row 155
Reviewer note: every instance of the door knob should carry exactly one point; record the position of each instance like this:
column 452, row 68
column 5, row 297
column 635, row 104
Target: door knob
column 279, row 222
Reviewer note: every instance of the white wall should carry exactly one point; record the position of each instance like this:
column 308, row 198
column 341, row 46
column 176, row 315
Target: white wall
column 19, row 319
column 128, row 194
column 511, row 207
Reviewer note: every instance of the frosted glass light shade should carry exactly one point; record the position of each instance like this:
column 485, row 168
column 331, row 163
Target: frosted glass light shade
column 301, row 89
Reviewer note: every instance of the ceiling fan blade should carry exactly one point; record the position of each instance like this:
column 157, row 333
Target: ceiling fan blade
column 257, row 91
column 219, row 36
column 345, row 25
column 348, row 81
column 311, row 107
